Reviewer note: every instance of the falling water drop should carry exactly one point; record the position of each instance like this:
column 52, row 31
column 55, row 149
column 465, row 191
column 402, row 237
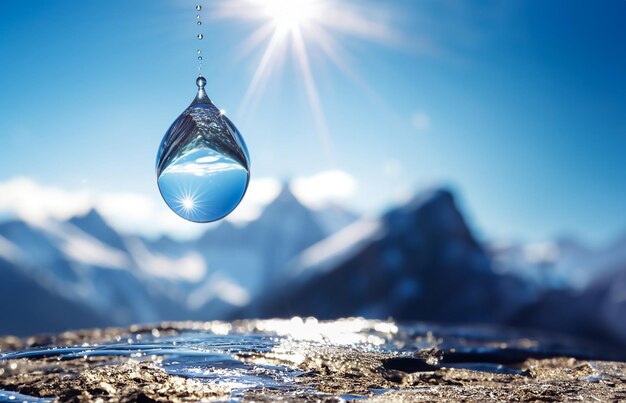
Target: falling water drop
column 198, row 16
column 198, row 7
column 199, row 23
column 203, row 166
column 199, row 51
column 199, row 57
column 200, row 36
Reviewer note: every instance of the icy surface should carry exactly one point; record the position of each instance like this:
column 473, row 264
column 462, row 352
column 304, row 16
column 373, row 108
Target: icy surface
column 303, row 359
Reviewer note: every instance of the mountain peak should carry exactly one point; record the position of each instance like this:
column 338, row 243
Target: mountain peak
column 285, row 203
column 94, row 224
column 92, row 216
column 432, row 196
column 436, row 212
column 286, row 195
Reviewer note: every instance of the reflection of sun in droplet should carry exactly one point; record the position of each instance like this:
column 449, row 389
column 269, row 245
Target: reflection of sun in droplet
column 187, row 203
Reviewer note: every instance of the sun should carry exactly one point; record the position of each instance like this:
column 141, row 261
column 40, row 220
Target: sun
column 300, row 26
column 187, row 203
column 291, row 14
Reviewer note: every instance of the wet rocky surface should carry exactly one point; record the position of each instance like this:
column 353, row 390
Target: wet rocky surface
column 303, row 359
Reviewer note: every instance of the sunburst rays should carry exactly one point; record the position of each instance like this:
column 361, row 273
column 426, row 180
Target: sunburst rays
column 299, row 25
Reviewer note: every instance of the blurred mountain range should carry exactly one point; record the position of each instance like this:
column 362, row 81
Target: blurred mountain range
column 82, row 272
column 560, row 264
column 419, row 261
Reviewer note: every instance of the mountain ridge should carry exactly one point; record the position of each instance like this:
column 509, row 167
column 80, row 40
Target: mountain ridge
column 417, row 261
column 127, row 278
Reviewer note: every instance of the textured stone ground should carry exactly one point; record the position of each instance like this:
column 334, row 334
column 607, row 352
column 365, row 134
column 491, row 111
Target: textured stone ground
column 319, row 368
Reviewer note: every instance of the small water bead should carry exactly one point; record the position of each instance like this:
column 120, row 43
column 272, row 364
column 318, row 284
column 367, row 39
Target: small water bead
column 200, row 36
column 199, row 51
column 199, row 57
column 198, row 7
column 199, row 22
column 198, row 16
column 203, row 166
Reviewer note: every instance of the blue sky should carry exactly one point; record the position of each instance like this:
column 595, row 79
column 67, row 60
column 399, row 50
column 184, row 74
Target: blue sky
column 519, row 106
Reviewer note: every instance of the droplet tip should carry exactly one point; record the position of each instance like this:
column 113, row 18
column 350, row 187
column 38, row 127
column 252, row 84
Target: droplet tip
column 200, row 81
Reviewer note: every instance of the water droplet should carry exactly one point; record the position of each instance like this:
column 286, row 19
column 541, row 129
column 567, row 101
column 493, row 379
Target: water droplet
column 198, row 16
column 199, row 51
column 199, row 57
column 199, row 23
column 200, row 36
column 203, row 166
column 198, row 7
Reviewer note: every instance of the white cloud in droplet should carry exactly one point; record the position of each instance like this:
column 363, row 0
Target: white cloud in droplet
column 328, row 186
column 420, row 121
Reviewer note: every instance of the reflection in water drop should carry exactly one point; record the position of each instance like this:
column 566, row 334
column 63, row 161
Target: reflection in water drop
column 203, row 185
column 202, row 163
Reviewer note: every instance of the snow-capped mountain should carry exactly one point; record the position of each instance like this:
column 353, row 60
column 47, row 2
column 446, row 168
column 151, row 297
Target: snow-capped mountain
column 78, row 268
column 87, row 269
column 596, row 312
column 421, row 262
column 254, row 255
column 560, row 264
column 417, row 262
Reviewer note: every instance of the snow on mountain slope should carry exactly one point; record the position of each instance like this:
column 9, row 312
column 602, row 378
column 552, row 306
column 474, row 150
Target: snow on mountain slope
column 125, row 278
column 8, row 251
column 559, row 264
column 84, row 249
column 254, row 255
column 39, row 255
column 68, row 262
column 218, row 287
column 30, row 307
column 337, row 248
column 334, row 217
column 93, row 224
column 418, row 262
column 189, row 267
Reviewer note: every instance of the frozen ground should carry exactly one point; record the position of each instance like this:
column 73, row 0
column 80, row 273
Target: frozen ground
column 304, row 360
